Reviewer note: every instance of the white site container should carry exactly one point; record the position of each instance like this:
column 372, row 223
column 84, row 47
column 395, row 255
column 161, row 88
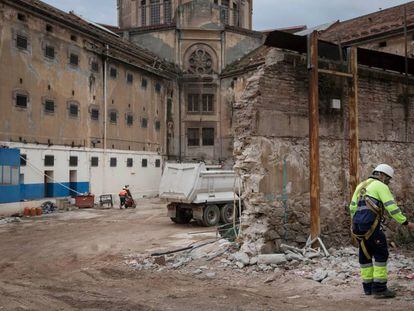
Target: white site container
column 193, row 191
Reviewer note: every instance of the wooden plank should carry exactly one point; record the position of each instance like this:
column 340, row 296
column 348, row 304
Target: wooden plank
column 353, row 124
column 336, row 73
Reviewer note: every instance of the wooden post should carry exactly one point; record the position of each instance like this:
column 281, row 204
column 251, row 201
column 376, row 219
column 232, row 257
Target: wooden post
column 353, row 123
column 314, row 135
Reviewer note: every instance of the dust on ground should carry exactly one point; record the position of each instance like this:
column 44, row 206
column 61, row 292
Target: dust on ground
column 77, row 261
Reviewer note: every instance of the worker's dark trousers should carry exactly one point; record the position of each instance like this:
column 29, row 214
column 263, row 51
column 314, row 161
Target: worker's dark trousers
column 122, row 201
column 374, row 270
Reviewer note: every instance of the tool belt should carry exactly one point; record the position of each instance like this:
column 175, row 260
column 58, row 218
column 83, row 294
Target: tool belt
column 378, row 211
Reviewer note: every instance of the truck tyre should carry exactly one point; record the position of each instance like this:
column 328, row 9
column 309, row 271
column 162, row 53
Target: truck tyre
column 183, row 216
column 211, row 215
column 226, row 213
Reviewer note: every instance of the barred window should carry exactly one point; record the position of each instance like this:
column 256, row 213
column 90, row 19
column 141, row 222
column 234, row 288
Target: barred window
column 95, row 66
column 22, row 42
column 193, row 137
column 155, row 12
column 113, row 72
column 144, row 163
column 49, row 160
column 157, row 163
column 94, row 161
column 167, row 11
column 95, row 114
column 144, row 83
column 129, row 119
column 113, row 116
column 50, row 52
column 158, row 87
column 73, row 161
column 144, row 122
column 130, row 162
column 208, row 136
column 21, row 100
column 49, row 106
column 73, row 109
column 74, row 59
column 143, row 12
column 130, row 78
column 157, row 125
column 113, row 162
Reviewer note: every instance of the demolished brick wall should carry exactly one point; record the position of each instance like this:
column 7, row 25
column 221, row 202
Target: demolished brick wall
column 271, row 149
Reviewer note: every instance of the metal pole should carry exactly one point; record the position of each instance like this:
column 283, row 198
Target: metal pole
column 314, row 136
column 353, row 123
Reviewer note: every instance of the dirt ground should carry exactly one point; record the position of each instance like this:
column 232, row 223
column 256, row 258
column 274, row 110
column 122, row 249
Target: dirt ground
column 76, row 261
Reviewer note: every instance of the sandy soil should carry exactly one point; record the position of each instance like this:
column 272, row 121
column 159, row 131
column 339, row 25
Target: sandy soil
column 76, row 261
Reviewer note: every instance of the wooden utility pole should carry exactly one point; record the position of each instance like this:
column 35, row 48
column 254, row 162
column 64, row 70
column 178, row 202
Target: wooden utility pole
column 314, row 135
column 353, row 123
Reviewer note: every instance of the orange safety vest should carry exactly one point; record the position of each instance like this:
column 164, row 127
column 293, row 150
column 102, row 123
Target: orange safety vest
column 123, row 193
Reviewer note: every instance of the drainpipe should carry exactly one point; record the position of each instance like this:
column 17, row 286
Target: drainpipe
column 105, row 87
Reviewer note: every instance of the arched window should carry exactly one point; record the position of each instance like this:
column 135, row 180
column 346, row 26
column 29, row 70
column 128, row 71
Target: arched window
column 225, row 11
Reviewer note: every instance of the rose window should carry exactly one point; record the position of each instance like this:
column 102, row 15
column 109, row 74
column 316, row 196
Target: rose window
column 200, row 62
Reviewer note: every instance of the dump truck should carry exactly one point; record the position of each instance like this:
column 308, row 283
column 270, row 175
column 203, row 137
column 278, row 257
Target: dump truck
column 193, row 191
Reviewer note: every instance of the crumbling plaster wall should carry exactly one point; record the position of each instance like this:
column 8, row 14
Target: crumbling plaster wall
column 271, row 148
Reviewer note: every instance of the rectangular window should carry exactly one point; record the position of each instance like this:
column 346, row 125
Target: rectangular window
column 167, row 11
column 21, row 101
column 49, row 28
column 73, row 161
column 193, row 103
column 193, row 137
column 50, row 52
column 74, row 59
column 208, row 136
column 49, row 160
column 155, row 12
column 225, row 11
column 23, row 160
column 382, row 44
column 113, row 162
column 208, row 105
column 113, row 116
column 130, row 78
column 113, row 72
column 130, row 162
column 73, row 110
column 5, row 175
column 94, row 161
column 49, row 106
column 143, row 12
column 95, row 114
column 95, row 66
column 21, row 17
column 157, row 87
column 157, row 163
column 144, row 163
column 157, row 125
column 144, row 123
column 130, row 120
column 144, row 83
column 21, row 42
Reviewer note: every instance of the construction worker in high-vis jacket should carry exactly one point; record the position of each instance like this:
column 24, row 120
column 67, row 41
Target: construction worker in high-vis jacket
column 369, row 203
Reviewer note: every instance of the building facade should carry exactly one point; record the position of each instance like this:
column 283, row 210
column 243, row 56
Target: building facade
column 201, row 37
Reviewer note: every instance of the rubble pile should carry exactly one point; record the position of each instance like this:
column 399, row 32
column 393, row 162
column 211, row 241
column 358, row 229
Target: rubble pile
column 341, row 267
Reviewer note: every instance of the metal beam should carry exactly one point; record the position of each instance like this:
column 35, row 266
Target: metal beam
column 314, row 135
column 353, row 123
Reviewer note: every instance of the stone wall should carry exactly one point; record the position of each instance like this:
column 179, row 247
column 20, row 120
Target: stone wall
column 272, row 149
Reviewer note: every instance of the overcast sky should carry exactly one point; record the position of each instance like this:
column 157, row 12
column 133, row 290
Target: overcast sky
column 267, row 13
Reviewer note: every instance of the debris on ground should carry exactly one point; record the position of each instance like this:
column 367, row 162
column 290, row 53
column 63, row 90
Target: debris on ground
column 48, row 207
column 9, row 220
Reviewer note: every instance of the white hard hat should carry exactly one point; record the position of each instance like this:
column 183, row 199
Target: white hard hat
column 386, row 169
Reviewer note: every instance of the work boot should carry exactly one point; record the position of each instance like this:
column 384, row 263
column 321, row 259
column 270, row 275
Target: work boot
column 387, row 294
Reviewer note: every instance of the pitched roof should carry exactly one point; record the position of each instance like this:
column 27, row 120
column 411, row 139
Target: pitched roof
column 97, row 32
column 371, row 25
column 249, row 62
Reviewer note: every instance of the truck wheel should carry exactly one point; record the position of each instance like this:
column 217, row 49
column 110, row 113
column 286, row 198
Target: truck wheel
column 226, row 213
column 183, row 216
column 211, row 215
